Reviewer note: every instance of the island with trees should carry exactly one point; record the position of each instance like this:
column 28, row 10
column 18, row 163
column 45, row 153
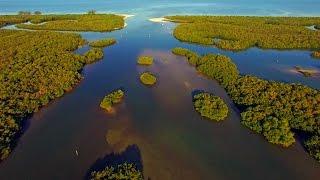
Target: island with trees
column 145, row 60
column 210, row 106
column 111, row 99
column 274, row 109
column 67, row 22
column 103, row 43
column 242, row 32
column 148, row 78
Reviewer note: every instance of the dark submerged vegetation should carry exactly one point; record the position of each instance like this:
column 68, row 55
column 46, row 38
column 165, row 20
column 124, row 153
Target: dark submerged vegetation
column 103, row 42
column 270, row 108
column 148, row 78
column 109, row 100
column 305, row 72
column 210, row 106
column 35, row 68
column 145, row 60
column 240, row 32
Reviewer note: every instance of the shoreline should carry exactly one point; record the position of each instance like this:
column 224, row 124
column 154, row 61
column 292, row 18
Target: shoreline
column 159, row 20
column 126, row 16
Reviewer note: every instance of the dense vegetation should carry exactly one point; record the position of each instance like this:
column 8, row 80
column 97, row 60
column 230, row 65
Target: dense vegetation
column 193, row 58
column 209, row 106
column 111, row 99
column 35, row 67
column 270, row 108
column 145, row 60
column 239, row 32
column 217, row 67
column 103, row 42
column 93, row 55
column 123, row 171
column 313, row 146
column 69, row 22
column 148, row 78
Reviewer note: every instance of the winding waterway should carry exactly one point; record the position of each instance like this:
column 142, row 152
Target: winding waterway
column 173, row 140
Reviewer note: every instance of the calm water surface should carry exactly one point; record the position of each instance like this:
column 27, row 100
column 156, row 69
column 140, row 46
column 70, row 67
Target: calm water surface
column 173, row 140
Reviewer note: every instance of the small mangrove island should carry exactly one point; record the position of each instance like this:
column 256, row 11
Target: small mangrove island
column 145, row 60
column 111, row 99
column 102, row 43
column 210, row 106
column 274, row 109
column 148, row 79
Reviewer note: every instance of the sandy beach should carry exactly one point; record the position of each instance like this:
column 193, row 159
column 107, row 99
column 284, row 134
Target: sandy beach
column 159, row 20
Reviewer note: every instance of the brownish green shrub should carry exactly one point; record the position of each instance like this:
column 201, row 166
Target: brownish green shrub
column 103, row 42
column 145, row 60
column 93, row 55
column 148, row 78
column 210, row 106
column 111, row 99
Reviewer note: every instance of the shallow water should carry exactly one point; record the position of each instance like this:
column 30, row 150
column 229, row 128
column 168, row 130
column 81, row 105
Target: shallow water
column 173, row 140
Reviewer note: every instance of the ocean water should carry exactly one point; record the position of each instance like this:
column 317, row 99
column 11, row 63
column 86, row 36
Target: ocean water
column 164, row 7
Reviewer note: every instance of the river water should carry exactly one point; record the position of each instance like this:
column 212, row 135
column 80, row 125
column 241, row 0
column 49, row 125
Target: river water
column 172, row 140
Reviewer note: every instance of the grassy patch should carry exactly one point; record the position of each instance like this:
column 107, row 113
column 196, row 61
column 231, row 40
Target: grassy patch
column 103, row 42
column 148, row 78
column 210, row 106
column 145, row 60
column 111, row 99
